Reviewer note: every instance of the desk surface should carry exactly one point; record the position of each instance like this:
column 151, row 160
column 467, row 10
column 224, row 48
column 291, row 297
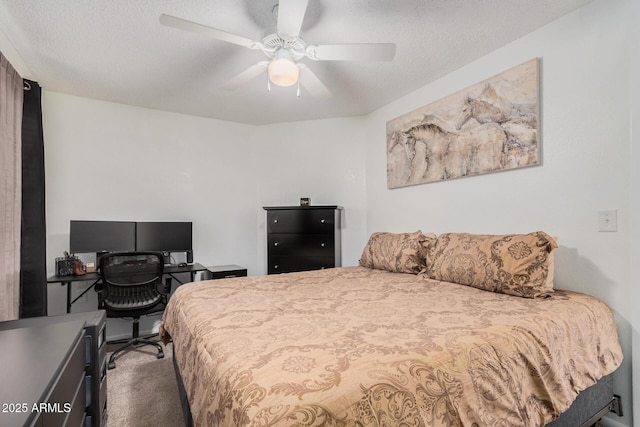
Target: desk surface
column 189, row 268
column 88, row 277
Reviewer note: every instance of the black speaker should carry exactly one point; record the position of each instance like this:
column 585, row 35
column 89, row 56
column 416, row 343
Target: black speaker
column 189, row 257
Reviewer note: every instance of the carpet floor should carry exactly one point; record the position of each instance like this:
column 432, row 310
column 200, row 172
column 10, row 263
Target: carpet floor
column 142, row 390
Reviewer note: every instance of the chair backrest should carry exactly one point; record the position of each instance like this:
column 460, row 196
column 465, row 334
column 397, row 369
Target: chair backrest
column 131, row 281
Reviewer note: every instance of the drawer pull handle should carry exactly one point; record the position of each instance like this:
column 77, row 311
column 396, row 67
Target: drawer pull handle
column 275, row 221
column 275, row 244
column 322, row 221
column 322, row 245
column 275, row 267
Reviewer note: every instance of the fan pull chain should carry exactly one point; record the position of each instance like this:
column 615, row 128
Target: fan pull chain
column 268, row 83
column 298, row 90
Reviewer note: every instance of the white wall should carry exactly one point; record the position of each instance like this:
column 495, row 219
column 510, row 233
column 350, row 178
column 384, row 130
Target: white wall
column 318, row 159
column 114, row 162
column 585, row 131
column 108, row 161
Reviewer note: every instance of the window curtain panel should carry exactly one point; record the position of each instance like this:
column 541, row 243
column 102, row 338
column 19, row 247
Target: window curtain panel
column 11, row 101
column 33, row 264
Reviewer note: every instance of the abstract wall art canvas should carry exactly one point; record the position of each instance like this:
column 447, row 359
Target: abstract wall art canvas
column 488, row 127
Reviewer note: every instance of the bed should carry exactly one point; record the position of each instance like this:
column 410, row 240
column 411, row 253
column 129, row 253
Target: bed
column 372, row 346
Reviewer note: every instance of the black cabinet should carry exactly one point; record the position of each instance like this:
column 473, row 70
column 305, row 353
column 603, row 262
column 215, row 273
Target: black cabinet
column 223, row 272
column 95, row 366
column 92, row 357
column 301, row 238
column 43, row 375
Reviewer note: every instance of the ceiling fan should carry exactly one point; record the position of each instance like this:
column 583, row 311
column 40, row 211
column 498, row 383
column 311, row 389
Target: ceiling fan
column 285, row 48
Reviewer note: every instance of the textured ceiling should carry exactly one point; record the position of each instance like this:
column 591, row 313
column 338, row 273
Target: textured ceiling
column 117, row 51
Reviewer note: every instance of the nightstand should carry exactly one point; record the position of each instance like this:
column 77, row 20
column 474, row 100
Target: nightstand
column 223, row 272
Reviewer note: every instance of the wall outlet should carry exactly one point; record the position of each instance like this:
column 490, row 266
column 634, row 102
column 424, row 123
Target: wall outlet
column 608, row 220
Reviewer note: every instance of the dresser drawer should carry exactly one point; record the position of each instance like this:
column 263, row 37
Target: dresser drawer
column 301, row 238
column 68, row 395
column 290, row 264
column 301, row 221
column 76, row 416
column 309, row 245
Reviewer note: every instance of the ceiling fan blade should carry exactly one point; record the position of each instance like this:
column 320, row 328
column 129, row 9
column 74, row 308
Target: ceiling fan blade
column 353, row 52
column 245, row 76
column 183, row 24
column 290, row 16
column 312, row 83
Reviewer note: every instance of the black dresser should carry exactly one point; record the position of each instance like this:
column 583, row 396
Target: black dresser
column 43, row 377
column 91, row 364
column 301, row 238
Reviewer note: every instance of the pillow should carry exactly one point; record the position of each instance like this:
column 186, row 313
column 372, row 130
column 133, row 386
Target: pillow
column 513, row 264
column 397, row 252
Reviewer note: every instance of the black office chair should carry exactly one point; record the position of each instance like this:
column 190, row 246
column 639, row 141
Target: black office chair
column 131, row 286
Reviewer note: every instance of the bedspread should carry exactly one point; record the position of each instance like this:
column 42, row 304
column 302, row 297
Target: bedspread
column 360, row 347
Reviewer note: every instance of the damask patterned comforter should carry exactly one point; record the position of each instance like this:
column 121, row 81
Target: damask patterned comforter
column 355, row 346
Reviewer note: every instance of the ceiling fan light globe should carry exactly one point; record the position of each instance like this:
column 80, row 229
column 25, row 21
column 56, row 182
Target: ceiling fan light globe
column 283, row 72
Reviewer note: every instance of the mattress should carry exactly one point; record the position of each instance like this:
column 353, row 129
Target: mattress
column 355, row 346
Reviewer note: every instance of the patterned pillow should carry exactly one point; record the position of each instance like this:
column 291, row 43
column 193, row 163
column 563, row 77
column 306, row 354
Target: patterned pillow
column 397, row 252
column 513, row 264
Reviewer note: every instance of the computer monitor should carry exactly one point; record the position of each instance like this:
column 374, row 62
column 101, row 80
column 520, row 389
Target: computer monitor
column 164, row 236
column 102, row 236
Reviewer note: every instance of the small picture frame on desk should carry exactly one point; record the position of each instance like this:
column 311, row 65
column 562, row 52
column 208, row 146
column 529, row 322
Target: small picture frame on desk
column 90, row 267
column 305, row 201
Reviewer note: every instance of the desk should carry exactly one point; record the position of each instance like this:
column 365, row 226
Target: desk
column 169, row 270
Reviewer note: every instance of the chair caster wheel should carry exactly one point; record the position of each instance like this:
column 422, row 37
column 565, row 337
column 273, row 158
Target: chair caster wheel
column 160, row 355
column 111, row 365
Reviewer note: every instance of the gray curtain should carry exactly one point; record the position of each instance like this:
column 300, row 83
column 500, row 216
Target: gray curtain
column 11, row 99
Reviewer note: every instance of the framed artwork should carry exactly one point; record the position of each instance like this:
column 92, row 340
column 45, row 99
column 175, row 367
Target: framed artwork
column 488, row 127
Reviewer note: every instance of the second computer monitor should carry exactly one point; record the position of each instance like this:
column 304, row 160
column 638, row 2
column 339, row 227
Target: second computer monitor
column 164, row 236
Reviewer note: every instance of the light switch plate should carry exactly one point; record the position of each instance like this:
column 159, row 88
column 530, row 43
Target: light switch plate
column 608, row 220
